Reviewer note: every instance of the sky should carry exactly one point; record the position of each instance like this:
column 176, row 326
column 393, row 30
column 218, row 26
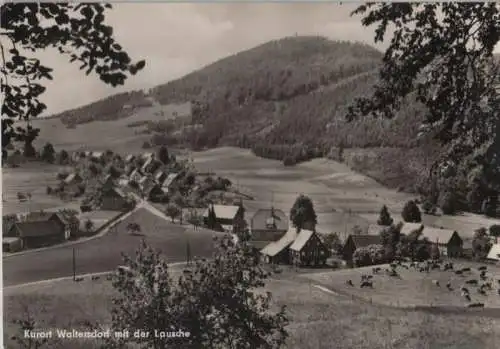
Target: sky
column 176, row 39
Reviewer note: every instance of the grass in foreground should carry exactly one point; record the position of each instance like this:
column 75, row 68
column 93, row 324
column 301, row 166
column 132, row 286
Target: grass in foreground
column 412, row 288
column 318, row 320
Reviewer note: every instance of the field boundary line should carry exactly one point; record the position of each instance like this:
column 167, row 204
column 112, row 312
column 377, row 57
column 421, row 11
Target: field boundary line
column 62, row 278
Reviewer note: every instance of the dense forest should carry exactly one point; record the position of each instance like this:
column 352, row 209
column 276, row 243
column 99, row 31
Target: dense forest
column 287, row 100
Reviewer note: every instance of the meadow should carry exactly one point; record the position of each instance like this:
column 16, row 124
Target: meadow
column 116, row 135
column 317, row 319
column 105, row 253
column 413, row 288
column 33, row 178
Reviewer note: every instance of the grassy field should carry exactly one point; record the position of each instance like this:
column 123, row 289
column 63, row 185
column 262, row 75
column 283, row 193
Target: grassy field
column 340, row 195
column 102, row 135
column 412, row 288
column 33, row 178
column 104, row 253
column 318, row 320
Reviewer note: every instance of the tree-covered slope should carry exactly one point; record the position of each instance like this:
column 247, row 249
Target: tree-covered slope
column 285, row 99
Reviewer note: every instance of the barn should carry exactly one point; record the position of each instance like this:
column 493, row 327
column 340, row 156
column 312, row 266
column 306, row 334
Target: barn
column 308, row 250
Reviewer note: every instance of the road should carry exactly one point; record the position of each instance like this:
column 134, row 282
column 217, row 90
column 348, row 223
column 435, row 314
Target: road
column 105, row 253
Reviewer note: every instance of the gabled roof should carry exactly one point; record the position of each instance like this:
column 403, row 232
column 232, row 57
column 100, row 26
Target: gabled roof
column 71, row 177
column 223, row 211
column 365, row 240
column 158, row 174
column 301, row 240
column 97, row 154
column 442, row 236
column 169, row 180
column 409, row 228
column 146, row 164
column 276, row 247
column 263, row 217
column 39, row 228
column 39, row 216
column 494, row 253
column 115, row 192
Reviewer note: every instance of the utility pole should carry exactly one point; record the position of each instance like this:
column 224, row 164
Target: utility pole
column 74, row 265
column 188, row 253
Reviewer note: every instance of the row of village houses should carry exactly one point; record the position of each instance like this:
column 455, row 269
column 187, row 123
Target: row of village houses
column 150, row 179
column 278, row 243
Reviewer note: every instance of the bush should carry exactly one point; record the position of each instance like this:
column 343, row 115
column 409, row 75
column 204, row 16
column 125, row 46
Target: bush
column 448, row 203
column 369, row 255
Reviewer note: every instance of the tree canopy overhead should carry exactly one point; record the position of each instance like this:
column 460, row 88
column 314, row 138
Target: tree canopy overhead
column 76, row 30
column 442, row 54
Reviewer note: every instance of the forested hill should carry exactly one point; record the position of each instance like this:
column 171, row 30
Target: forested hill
column 285, row 99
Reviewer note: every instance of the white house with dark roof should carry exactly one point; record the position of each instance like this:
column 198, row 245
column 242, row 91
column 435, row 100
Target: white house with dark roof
column 227, row 217
column 448, row 241
column 167, row 183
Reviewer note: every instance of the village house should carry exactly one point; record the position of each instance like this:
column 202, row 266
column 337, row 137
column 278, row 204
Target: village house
column 129, row 158
column 494, row 253
column 168, row 182
column 114, row 199
column 267, row 225
column 39, row 229
column 97, row 155
column 152, row 192
column 73, row 179
column 135, row 176
column 448, row 241
column 308, row 250
column 355, row 241
column 277, row 252
column 123, row 181
column 159, row 176
column 227, row 218
column 409, row 228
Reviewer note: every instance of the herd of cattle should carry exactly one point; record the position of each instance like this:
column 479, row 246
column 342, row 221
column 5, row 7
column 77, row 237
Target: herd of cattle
column 483, row 284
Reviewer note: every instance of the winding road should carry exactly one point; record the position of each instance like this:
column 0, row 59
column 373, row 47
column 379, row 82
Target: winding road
column 105, row 253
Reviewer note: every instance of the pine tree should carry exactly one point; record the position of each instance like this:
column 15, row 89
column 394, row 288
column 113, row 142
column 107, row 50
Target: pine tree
column 385, row 217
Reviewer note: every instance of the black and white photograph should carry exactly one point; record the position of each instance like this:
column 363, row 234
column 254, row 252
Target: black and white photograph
column 250, row 175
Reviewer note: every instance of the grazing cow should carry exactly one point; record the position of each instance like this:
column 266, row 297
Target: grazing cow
column 464, row 290
column 481, row 291
column 78, row 279
column 349, row 282
column 375, row 270
column 465, row 269
column 366, row 284
column 435, row 282
column 458, row 272
column 95, row 277
column 467, row 297
column 482, row 275
column 448, row 286
column 476, row 305
column 482, row 268
column 471, row 282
